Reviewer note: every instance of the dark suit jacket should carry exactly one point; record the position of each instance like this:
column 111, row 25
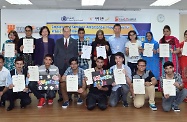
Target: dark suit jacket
column 63, row 54
column 39, row 50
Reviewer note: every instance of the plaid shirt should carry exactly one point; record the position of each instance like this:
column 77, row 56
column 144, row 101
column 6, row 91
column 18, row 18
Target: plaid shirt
column 82, row 62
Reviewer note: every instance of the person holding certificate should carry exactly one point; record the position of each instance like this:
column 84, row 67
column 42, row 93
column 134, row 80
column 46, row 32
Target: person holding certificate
column 14, row 39
column 120, row 90
column 24, row 94
column 73, row 70
column 100, row 41
column 46, row 69
column 169, row 101
column 28, row 57
column 97, row 94
column 133, row 50
column 148, row 86
column 183, row 60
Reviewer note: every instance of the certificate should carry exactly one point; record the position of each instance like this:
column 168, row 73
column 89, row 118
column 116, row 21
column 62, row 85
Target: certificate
column 139, row 86
column 148, row 50
column 119, row 76
column 168, row 87
column 9, row 50
column 72, row 83
column 88, row 74
column 184, row 50
column 86, row 51
column 101, row 51
column 18, row 82
column 34, row 73
column 133, row 50
column 164, row 50
column 28, row 45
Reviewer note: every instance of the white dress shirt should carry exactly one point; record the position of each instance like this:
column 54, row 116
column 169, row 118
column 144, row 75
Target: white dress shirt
column 67, row 41
column 5, row 79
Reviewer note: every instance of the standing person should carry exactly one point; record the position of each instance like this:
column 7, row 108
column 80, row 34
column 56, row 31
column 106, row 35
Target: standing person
column 44, row 45
column 83, row 63
column 28, row 57
column 172, row 102
column 152, row 60
column 117, row 43
column 65, row 49
column 182, row 62
column 13, row 36
column 100, row 41
column 133, row 39
column 97, row 94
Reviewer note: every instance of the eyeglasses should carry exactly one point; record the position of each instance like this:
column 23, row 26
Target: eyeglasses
column 132, row 34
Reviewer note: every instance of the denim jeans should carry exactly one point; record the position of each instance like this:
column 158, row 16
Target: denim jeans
column 84, row 66
column 116, row 95
column 174, row 100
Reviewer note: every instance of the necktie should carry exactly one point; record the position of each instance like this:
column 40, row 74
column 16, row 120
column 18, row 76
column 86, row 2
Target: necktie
column 66, row 43
column 47, row 71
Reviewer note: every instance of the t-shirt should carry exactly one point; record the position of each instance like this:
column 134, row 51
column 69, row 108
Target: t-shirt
column 147, row 76
column 96, row 91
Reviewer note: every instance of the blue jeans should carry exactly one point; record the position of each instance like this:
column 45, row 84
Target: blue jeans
column 116, row 95
column 84, row 66
column 174, row 100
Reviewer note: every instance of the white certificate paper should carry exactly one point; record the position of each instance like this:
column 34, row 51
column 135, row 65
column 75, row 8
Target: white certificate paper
column 9, row 50
column 28, row 45
column 168, row 87
column 139, row 86
column 34, row 73
column 119, row 76
column 148, row 50
column 18, row 82
column 101, row 51
column 86, row 51
column 133, row 50
column 184, row 50
column 88, row 74
column 72, row 83
column 164, row 50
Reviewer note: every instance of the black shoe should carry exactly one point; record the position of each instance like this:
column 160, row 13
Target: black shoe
column 9, row 108
column 60, row 99
column 23, row 106
column 2, row 103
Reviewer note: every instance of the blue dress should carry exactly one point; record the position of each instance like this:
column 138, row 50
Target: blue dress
column 152, row 62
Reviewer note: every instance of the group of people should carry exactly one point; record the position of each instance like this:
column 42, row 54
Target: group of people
column 63, row 58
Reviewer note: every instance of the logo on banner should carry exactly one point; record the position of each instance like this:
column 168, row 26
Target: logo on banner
column 99, row 19
column 65, row 18
column 124, row 19
column 21, row 29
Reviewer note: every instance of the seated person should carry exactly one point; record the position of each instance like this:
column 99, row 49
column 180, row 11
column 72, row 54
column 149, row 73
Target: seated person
column 97, row 94
column 172, row 102
column 73, row 70
column 46, row 69
column 23, row 95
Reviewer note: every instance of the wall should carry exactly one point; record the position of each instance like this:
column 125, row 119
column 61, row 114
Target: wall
column 183, row 25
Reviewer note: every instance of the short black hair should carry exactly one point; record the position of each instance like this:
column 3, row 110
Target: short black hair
column 168, row 63
column 100, row 57
column 2, row 57
column 30, row 27
column 120, row 54
column 142, row 60
column 132, row 31
column 73, row 59
column 42, row 28
column 81, row 29
column 117, row 25
column 19, row 59
column 48, row 55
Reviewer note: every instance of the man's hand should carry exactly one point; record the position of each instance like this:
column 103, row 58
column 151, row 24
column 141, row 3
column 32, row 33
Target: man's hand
column 80, row 90
column 166, row 96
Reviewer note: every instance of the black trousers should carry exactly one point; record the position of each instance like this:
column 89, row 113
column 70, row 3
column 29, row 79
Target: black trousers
column 133, row 66
column 25, row 98
column 92, row 99
column 4, row 96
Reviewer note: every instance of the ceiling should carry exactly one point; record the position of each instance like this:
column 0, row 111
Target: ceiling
column 108, row 5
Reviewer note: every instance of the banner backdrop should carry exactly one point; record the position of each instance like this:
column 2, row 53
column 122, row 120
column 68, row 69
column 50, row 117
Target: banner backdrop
column 92, row 28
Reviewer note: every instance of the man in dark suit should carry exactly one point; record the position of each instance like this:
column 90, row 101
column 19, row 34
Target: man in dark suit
column 65, row 48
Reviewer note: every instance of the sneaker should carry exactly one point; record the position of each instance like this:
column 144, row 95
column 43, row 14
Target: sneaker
column 153, row 107
column 2, row 103
column 176, row 109
column 50, row 101
column 79, row 101
column 125, row 104
column 41, row 103
column 65, row 104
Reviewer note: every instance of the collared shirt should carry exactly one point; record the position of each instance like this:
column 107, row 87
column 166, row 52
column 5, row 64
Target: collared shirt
column 5, row 77
column 147, row 76
column 52, row 70
column 80, row 74
column 82, row 62
column 67, row 41
column 127, row 69
column 117, row 44
column 177, row 78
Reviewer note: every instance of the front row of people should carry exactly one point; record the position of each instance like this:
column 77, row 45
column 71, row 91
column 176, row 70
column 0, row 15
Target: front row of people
column 97, row 96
